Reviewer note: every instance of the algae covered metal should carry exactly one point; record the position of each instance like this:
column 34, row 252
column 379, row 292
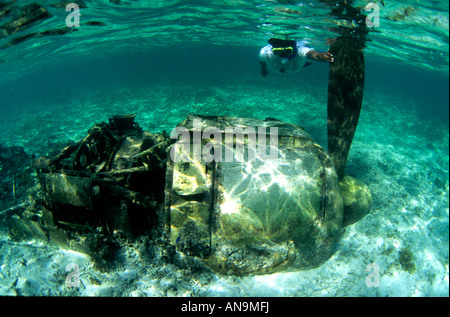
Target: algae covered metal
column 113, row 177
column 238, row 195
column 253, row 216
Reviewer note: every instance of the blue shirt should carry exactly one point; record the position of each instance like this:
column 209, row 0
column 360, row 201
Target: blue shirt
column 290, row 65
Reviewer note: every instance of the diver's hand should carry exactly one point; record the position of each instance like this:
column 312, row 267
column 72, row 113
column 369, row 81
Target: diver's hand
column 320, row 56
column 328, row 57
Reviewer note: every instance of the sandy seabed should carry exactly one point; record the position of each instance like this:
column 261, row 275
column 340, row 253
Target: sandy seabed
column 400, row 249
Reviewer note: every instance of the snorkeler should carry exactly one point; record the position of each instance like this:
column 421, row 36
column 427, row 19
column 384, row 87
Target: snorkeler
column 289, row 56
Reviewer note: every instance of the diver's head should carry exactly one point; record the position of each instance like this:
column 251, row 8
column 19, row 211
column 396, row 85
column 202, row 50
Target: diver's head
column 283, row 48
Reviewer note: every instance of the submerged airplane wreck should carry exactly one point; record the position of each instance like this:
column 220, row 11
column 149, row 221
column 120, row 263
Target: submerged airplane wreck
column 239, row 217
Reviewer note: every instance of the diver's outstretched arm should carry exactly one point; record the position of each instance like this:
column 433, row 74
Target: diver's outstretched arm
column 320, row 56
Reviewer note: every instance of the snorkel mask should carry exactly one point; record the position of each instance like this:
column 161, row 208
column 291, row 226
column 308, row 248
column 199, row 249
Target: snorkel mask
column 283, row 51
column 283, row 48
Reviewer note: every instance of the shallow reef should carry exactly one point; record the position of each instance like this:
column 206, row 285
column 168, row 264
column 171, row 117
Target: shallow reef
column 405, row 167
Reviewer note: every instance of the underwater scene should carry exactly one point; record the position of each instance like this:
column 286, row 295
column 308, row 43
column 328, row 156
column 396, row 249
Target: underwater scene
column 215, row 148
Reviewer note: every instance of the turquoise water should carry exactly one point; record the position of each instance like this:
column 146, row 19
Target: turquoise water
column 164, row 59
